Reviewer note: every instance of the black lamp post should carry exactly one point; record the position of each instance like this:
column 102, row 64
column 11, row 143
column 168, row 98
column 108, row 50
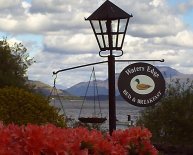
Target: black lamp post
column 109, row 24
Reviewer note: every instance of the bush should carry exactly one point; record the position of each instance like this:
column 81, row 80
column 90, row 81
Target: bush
column 170, row 121
column 21, row 107
column 50, row 140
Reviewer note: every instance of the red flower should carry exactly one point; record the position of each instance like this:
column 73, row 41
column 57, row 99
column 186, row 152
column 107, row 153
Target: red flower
column 135, row 140
column 51, row 140
column 34, row 138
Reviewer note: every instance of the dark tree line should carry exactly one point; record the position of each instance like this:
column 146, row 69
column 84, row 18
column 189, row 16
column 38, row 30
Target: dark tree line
column 19, row 104
column 14, row 62
column 170, row 121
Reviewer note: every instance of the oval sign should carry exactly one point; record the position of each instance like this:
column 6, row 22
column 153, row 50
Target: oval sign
column 141, row 84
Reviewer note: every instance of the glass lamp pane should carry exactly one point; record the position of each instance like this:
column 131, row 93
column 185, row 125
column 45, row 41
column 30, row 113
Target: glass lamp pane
column 103, row 25
column 120, row 40
column 114, row 37
column 106, row 40
column 122, row 25
column 100, row 39
column 114, row 25
column 96, row 26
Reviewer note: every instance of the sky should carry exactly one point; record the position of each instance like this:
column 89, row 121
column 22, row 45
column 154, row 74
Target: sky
column 57, row 36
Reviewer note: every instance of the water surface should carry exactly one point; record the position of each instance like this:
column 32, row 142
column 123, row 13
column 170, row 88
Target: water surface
column 123, row 109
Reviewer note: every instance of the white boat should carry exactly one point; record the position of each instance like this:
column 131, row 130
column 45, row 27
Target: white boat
column 126, row 123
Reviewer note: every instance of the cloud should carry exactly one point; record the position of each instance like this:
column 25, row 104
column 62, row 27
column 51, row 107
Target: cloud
column 156, row 3
column 50, row 6
column 48, row 16
column 8, row 4
column 71, row 44
column 185, row 6
column 154, row 32
column 47, row 63
column 182, row 40
column 154, row 19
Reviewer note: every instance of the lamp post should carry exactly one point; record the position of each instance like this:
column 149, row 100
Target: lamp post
column 109, row 24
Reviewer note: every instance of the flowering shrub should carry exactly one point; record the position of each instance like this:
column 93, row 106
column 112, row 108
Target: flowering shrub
column 52, row 140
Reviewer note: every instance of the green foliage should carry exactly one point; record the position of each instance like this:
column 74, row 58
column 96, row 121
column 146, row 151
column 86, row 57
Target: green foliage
column 170, row 121
column 21, row 107
column 14, row 62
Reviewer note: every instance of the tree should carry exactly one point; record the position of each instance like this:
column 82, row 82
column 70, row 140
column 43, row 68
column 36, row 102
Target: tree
column 14, row 62
column 170, row 121
column 21, row 107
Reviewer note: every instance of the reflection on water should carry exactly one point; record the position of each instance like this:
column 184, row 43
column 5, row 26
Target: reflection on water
column 72, row 110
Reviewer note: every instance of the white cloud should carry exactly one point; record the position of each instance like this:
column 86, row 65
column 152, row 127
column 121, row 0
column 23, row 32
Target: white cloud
column 8, row 4
column 26, row 6
column 154, row 32
column 151, row 18
column 156, row 3
column 77, row 43
column 8, row 24
column 49, row 62
column 184, row 39
column 38, row 22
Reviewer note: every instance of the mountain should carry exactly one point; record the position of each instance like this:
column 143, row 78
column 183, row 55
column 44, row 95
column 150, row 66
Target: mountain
column 80, row 88
column 169, row 72
column 46, row 89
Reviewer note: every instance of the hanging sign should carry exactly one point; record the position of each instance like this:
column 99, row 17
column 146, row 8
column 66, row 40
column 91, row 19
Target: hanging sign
column 141, row 84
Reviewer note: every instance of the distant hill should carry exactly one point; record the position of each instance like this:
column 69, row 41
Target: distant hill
column 169, row 72
column 46, row 89
column 102, row 85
